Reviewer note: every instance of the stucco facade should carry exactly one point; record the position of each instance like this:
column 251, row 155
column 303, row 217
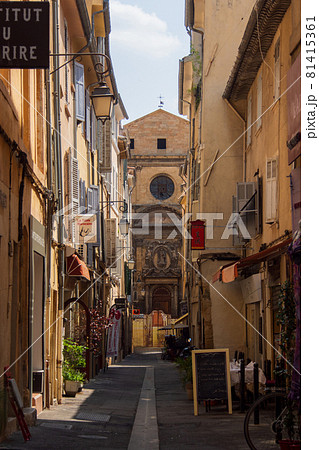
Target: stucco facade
column 58, row 162
column 238, row 164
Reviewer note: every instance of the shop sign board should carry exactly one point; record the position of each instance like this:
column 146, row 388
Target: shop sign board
column 198, row 234
column 24, row 35
column 120, row 302
column 211, row 376
column 86, row 229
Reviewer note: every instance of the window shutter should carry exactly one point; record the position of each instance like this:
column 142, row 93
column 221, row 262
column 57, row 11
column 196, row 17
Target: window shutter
column 82, row 197
column 87, row 117
column 110, row 226
column 104, row 146
column 89, row 200
column 79, row 91
column 259, row 100
column 96, row 209
column 249, row 120
column 95, row 197
column 244, row 192
column 93, row 130
column 247, row 206
column 74, row 199
column 237, row 239
column 271, row 190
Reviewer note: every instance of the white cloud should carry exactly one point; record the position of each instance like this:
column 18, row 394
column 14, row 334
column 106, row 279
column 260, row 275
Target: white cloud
column 140, row 31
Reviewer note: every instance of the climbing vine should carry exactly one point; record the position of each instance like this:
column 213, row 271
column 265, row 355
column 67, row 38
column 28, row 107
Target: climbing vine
column 286, row 318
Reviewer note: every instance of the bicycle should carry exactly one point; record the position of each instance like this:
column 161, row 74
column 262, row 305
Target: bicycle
column 268, row 421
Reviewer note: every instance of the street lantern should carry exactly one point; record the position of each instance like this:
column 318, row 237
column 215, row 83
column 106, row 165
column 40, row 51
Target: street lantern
column 102, row 100
column 124, row 226
column 131, row 264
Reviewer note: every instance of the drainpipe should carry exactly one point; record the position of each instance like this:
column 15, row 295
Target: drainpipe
column 59, row 187
column 49, row 210
column 58, row 152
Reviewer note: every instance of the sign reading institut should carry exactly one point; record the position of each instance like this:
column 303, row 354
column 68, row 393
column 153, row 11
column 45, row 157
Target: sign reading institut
column 24, row 35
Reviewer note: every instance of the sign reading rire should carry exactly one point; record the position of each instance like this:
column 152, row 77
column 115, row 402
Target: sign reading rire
column 24, row 35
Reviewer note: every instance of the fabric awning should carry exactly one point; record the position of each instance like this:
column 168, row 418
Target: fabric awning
column 217, row 275
column 264, row 254
column 229, row 273
column 75, row 267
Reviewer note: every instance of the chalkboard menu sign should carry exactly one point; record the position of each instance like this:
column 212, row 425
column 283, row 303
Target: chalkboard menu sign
column 211, row 376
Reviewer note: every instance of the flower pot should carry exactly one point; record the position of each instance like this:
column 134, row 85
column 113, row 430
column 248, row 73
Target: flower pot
column 189, row 390
column 71, row 388
column 287, row 444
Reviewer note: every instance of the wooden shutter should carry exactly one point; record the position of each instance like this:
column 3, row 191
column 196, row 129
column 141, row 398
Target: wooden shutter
column 89, row 200
column 95, row 198
column 74, row 200
column 271, row 190
column 87, row 117
column 247, row 206
column 244, row 192
column 249, row 120
column 82, row 196
column 96, row 209
column 93, row 208
column 79, row 91
column 93, row 130
column 110, row 228
column 104, row 146
column 237, row 239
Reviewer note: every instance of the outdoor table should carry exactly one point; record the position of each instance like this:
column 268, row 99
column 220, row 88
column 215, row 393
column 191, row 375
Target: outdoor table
column 249, row 376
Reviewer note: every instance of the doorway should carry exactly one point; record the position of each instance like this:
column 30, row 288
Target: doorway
column 161, row 300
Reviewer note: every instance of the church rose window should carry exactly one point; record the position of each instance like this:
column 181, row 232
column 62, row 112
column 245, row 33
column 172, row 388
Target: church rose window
column 162, row 187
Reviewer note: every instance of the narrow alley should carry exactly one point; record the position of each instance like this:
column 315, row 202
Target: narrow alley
column 111, row 412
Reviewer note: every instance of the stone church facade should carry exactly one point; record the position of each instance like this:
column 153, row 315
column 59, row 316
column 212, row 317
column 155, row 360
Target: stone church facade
column 159, row 143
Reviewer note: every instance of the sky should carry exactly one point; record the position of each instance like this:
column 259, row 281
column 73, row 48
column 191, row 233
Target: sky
column 147, row 40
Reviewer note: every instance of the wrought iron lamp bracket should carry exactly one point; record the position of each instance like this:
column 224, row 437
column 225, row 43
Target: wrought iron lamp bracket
column 101, row 73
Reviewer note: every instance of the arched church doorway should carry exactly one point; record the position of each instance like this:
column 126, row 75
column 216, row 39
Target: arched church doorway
column 161, row 300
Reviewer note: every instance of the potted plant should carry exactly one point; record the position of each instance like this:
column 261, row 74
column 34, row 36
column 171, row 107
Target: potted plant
column 73, row 360
column 186, row 368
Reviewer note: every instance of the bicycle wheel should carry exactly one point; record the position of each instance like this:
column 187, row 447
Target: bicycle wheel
column 264, row 419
